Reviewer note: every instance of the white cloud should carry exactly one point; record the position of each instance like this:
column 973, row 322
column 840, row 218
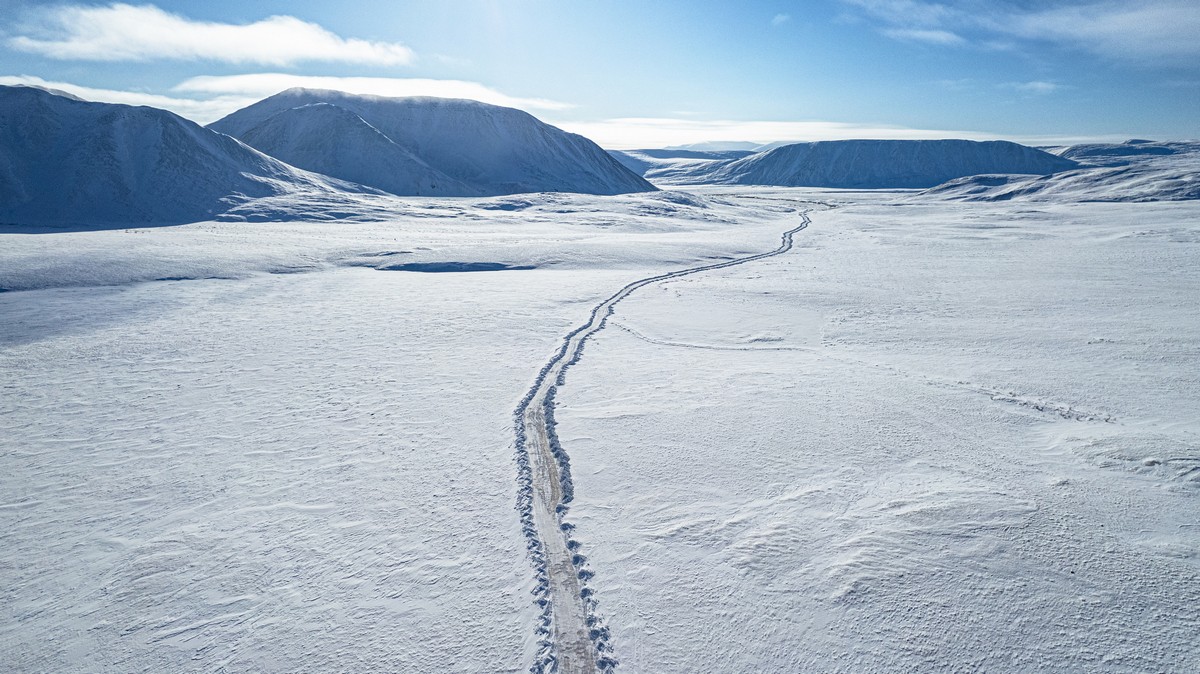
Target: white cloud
column 261, row 85
column 122, row 32
column 198, row 110
column 780, row 19
column 651, row 132
column 938, row 37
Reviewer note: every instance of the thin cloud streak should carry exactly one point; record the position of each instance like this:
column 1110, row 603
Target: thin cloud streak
column 199, row 111
column 122, row 32
column 938, row 37
column 261, row 85
column 207, row 99
column 1035, row 87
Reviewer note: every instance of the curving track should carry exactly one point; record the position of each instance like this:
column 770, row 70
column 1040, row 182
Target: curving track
column 572, row 638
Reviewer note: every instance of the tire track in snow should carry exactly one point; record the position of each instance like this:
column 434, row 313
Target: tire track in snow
column 571, row 636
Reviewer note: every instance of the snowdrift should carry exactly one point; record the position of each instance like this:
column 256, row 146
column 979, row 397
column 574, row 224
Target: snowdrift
column 871, row 164
column 411, row 146
column 69, row 162
column 1131, row 171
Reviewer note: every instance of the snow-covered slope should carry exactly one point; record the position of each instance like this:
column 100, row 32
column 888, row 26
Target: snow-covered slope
column 1131, row 171
column 490, row 150
column 1115, row 154
column 332, row 140
column 64, row 161
column 869, row 164
column 652, row 164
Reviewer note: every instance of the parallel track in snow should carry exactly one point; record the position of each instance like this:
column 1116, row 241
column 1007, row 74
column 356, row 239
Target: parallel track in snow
column 573, row 640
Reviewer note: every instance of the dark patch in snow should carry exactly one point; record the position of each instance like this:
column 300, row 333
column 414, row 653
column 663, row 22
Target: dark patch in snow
column 451, row 267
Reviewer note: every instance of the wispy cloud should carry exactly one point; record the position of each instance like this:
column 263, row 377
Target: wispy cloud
column 1143, row 30
column 198, row 110
column 780, row 19
column 259, row 85
column 1146, row 31
column 1035, row 87
column 961, row 84
column 650, row 132
column 122, row 32
column 906, row 12
column 931, row 36
column 206, row 99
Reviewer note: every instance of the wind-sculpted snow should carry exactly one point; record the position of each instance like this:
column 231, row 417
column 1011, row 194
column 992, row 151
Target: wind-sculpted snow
column 64, row 161
column 571, row 634
column 868, row 164
column 1132, row 171
column 946, row 436
column 487, row 149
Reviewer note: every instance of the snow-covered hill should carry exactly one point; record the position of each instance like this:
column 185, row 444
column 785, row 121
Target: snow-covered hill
column 871, row 164
column 487, row 149
column 70, row 162
column 1131, row 171
column 65, row 161
column 332, row 140
column 1119, row 154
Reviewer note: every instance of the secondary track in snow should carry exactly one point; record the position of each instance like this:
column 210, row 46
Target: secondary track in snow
column 573, row 640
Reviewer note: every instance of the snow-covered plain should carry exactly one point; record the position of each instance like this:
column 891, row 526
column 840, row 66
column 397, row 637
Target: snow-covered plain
column 290, row 455
column 933, row 436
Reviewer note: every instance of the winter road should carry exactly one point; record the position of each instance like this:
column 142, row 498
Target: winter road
column 572, row 637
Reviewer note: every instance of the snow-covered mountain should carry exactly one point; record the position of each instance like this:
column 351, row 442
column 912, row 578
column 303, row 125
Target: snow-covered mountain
column 483, row 149
column 332, row 140
column 1130, row 171
column 872, row 164
column 65, row 161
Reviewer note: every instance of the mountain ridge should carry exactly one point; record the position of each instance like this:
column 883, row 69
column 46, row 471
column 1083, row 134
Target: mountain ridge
column 490, row 150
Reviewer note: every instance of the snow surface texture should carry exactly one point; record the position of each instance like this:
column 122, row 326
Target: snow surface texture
column 857, row 164
column 933, row 437
column 1131, row 171
column 64, row 161
column 305, row 463
column 438, row 146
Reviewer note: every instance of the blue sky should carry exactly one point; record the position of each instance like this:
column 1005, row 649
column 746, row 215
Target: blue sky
column 645, row 74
